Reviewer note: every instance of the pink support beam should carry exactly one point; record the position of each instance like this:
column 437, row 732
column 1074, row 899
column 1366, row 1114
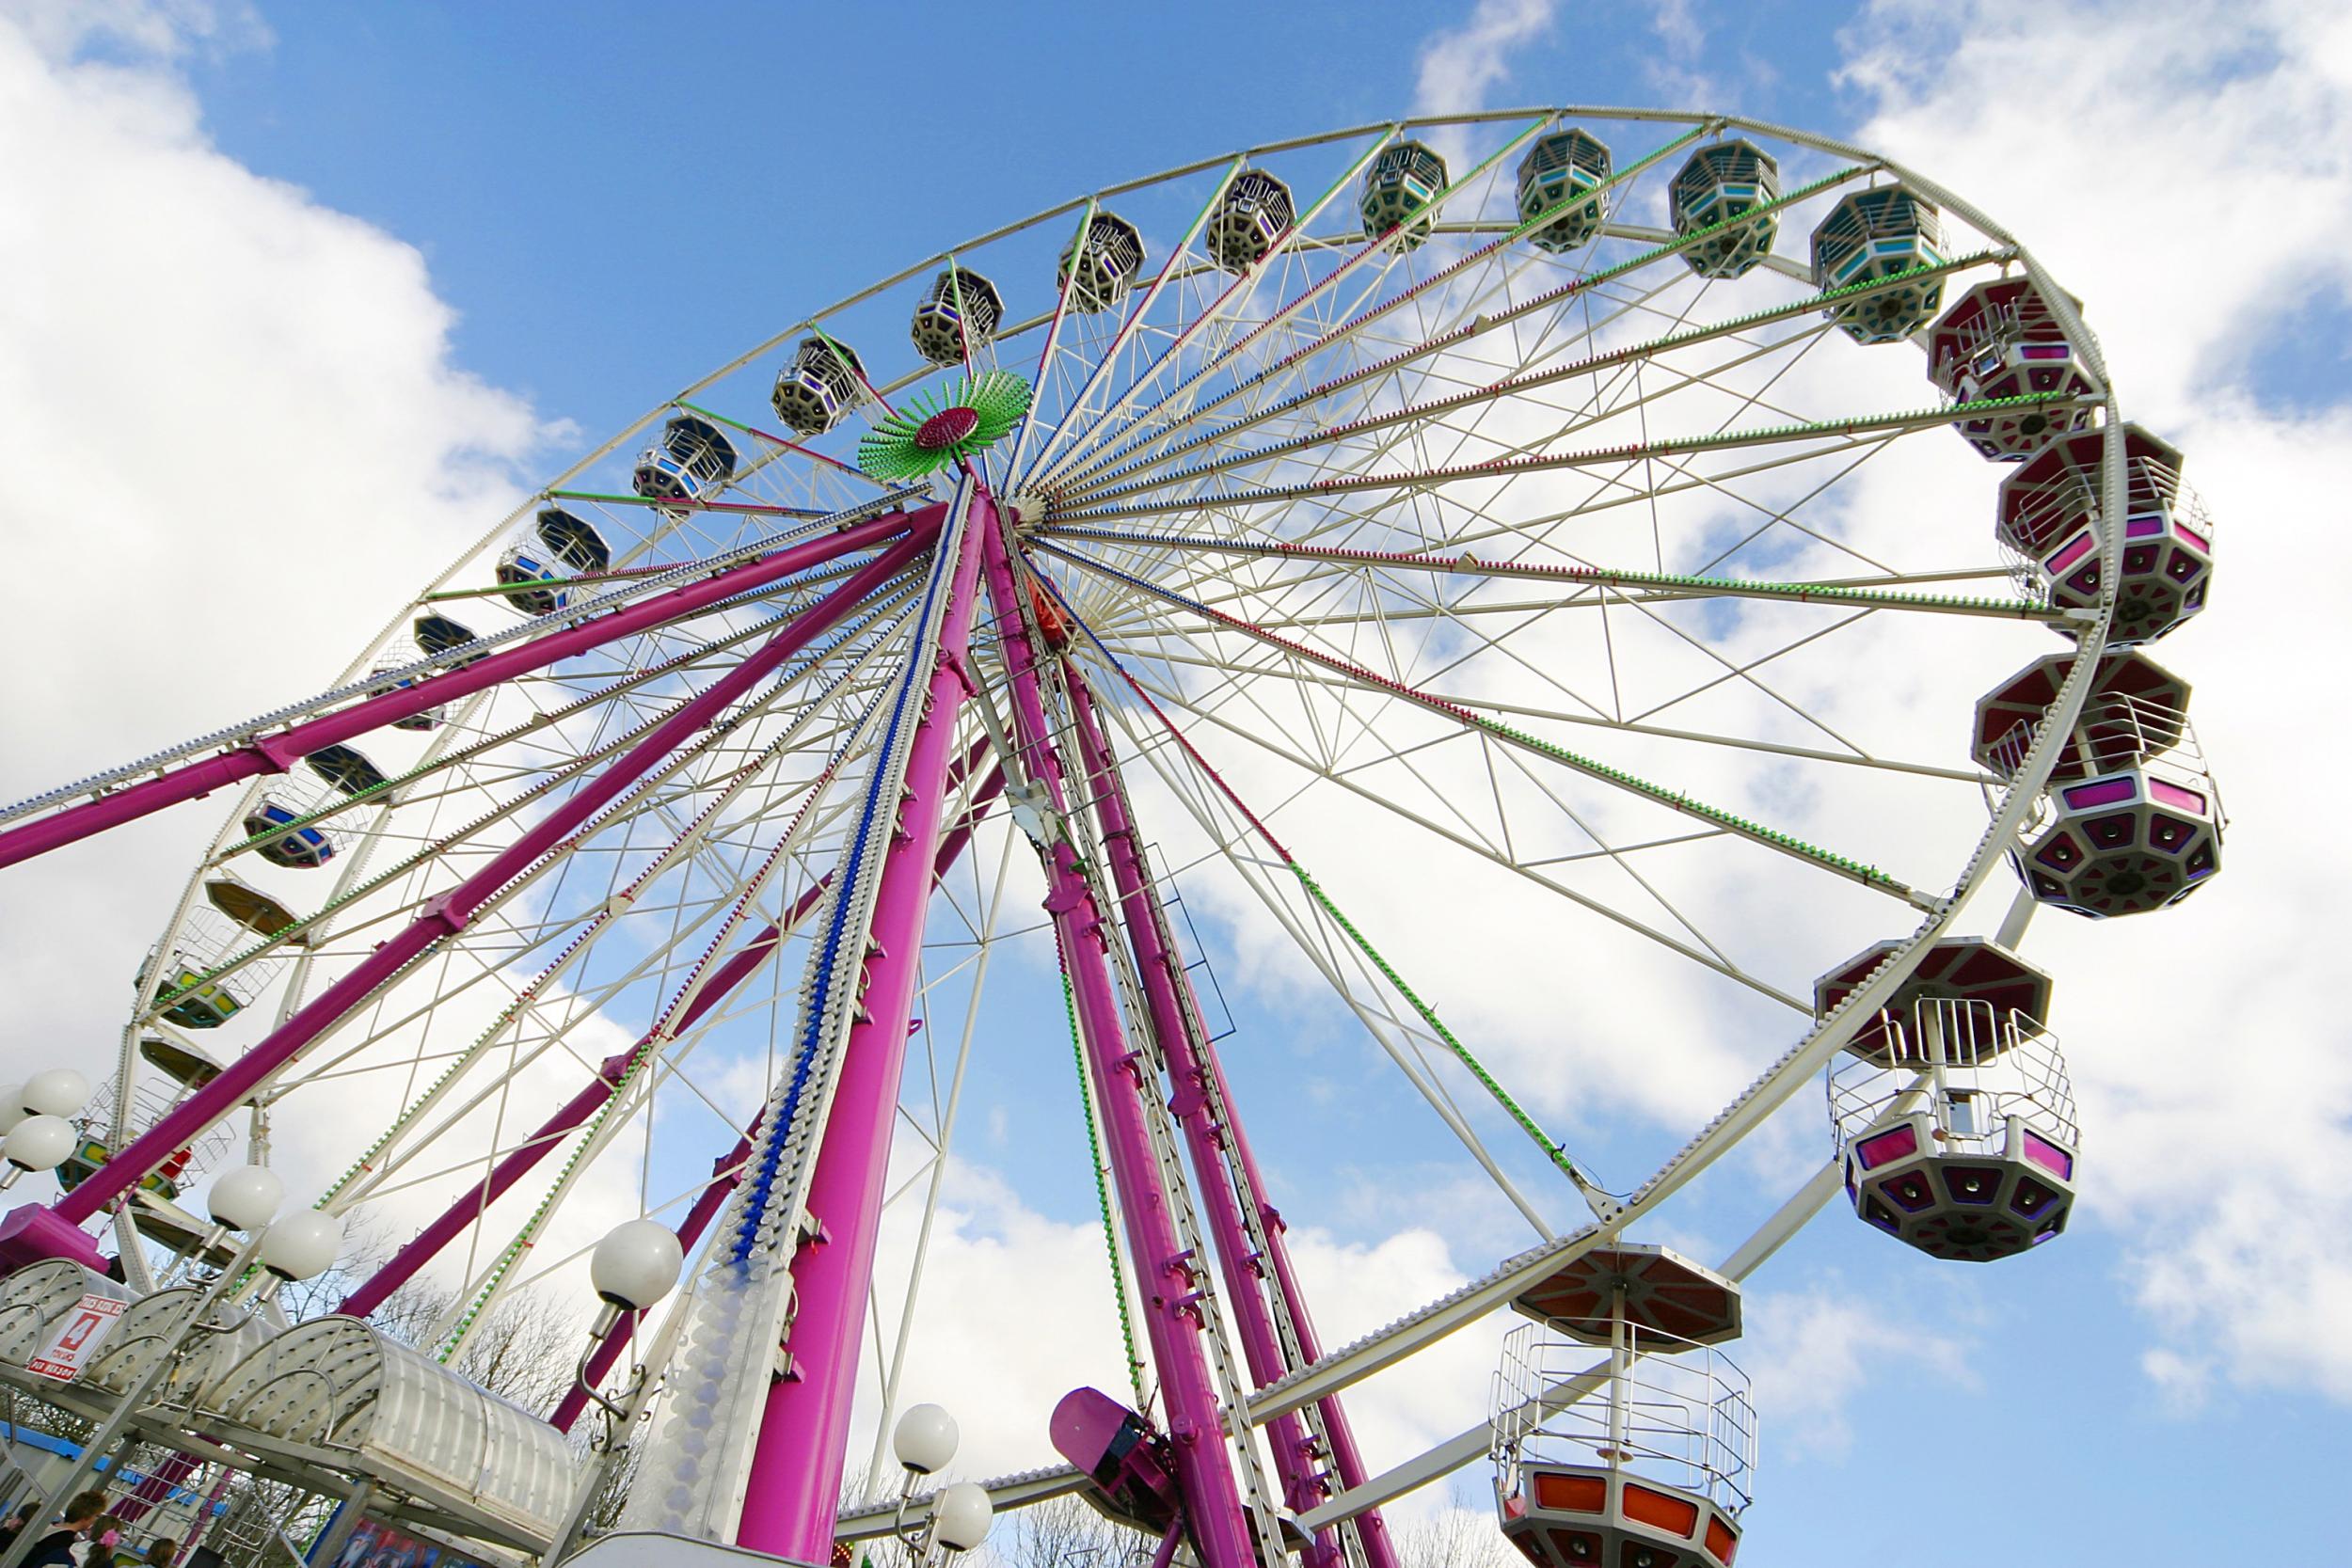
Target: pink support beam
column 724, row 1173
column 1198, row 1082
column 275, row 753
column 31, row 1233
column 1221, row 1533
column 1346, row 1458
column 1303, row 1483
column 210, row 1512
column 793, row 1493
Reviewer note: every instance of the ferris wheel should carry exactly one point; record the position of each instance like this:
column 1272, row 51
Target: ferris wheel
column 1658, row 569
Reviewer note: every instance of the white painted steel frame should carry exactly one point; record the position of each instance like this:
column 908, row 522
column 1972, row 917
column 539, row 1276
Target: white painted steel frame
column 1342, row 1368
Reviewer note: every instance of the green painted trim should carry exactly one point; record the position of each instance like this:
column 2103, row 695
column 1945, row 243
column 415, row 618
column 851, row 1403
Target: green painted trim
column 1554, row 1150
column 1103, row 1197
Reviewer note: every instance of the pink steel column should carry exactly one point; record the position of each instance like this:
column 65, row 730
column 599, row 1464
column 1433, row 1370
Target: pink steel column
column 724, row 1172
column 211, row 1511
column 793, row 1493
column 275, row 753
column 1204, row 1474
column 31, row 1233
column 1167, row 989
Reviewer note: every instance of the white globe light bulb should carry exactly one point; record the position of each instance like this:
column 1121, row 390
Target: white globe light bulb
column 960, row 1517
column 11, row 1106
column 925, row 1438
column 301, row 1244
column 39, row 1143
column 636, row 1264
column 59, row 1092
column 246, row 1199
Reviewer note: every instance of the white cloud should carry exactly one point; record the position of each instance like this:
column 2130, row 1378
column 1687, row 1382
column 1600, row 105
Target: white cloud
column 162, row 29
column 2201, row 199
column 1460, row 66
column 1673, row 71
column 2185, row 1380
column 2249, row 141
column 1015, row 1312
column 1355, row 1290
column 250, row 394
column 233, row 421
column 1811, row 1353
column 1677, row 26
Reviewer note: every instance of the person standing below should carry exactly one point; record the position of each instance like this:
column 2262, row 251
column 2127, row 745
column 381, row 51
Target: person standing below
column 18, row 1523
column 105, row 1534
column 161, row 1550
column 56, row 1549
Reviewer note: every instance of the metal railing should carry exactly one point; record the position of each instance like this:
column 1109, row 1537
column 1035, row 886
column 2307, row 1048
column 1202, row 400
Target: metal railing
column 309, row 806
column 2114, row 732
column 1968, row 1064
column 2047, row 510
column 2053, row 509
column 1661, row 1407
column 1995, row 327
column 151, row 1097
column 204, row 942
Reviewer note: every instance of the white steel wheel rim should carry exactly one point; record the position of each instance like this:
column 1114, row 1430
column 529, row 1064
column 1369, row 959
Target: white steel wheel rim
column 1140, row 570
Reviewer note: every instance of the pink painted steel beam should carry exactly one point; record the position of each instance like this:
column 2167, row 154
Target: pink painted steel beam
column 210, row 1512
column 793, row 1493
column 724, row 1173
column 155, row 1487
column 1302, row 1483
column 1175, row 1012
column 275, row 753
column 1346, row 1458
column 24, row 1239
column 1204, row 1473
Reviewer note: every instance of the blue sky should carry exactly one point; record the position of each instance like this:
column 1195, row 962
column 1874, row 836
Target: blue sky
column 668, row 175
column 611, row 199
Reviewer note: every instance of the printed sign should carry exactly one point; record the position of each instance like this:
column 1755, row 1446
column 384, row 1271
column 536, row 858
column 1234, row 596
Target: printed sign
column 374, row 1544
column 79, row 1335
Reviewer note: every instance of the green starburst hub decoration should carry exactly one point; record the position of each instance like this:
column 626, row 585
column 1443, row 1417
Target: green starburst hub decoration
column 926, row 436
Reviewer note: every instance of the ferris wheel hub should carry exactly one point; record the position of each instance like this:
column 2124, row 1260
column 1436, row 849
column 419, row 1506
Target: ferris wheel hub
column 942, row 430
